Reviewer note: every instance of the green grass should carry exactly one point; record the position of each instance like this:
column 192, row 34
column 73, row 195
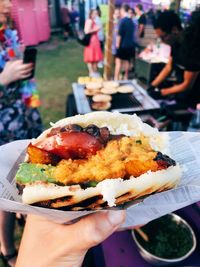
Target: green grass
column 58, row 65
column 56, row 69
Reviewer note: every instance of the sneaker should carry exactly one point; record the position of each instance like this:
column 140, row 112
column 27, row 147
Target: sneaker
column 100, row 65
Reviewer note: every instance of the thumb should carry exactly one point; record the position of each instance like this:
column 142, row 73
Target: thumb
column 96, row 227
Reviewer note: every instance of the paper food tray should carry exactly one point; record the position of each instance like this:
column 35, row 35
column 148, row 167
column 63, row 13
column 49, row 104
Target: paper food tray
column 184, row 148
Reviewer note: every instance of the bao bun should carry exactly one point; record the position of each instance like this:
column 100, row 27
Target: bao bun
column 111, row 191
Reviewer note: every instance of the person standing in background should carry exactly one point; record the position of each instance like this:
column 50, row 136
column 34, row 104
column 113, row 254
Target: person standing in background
column 100, row 33
column 19, row 117
column 184, row 60
column 74, row 20
column 151, row 16
column 116, row 19
column 141, row 20
column 65, row 15
column 124, row 43
column 99, row 23
column 92, row 53
column 132, row 15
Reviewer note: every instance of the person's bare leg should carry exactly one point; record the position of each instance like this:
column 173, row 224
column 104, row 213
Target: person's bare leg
column 90, row 68
column 65, row 35
column 126, row 68
column 94, row 66
column 117, row 68
column 7, row 226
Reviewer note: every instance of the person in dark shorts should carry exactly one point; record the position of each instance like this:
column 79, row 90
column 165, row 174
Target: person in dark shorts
column 124, row 43
column 184, row 60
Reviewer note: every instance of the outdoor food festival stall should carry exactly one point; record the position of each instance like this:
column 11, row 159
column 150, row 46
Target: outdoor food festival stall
column 118, row 148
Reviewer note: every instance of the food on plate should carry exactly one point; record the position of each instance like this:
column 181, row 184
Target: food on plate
column 93, row 85
column 95, row 161
column 97, row 79
column 110, row 84
column 92, row 92
column 124, row 89
column 84, row 80
column 102, row 98
column 109, row 91
column 101, row 105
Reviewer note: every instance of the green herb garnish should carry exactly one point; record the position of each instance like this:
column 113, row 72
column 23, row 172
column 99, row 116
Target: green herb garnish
column 139, row 142
column 93, row 184
column 167, row 238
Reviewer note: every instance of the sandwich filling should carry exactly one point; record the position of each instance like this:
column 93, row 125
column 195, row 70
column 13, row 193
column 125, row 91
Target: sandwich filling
column 73, row 155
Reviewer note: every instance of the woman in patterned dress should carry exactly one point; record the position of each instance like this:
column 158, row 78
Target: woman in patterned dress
column 19, row 117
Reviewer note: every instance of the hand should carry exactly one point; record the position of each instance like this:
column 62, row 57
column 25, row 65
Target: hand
column 15, row 71
column 164, row 92
column 45, row 243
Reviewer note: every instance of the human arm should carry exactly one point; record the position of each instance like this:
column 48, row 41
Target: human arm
column 88, row 27
column 45, row 243
column 118, row 41
column 120, row 32
column 140, row 29
column 163, row 74
column 142, row 22
column 188, row 80
column 15, row 71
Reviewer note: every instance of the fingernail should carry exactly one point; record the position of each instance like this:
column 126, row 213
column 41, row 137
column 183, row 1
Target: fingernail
column 116, row 217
